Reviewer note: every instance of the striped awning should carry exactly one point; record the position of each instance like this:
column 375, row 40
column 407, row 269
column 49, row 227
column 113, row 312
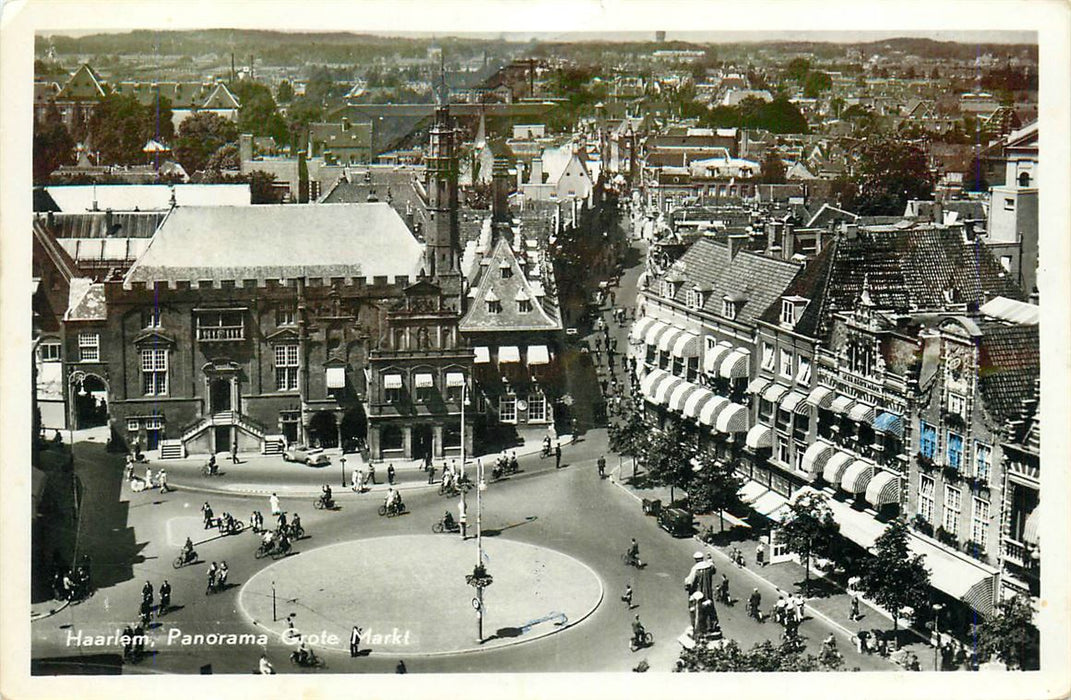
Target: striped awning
column 734, row 366
column 714, row 356
column 774, row 392
column 647, row 384
column 750, row 491
column 483, row 355
column 686, row 345
column 1030, row 527
column 538, row 355
column 423, row 380
column 769, row 503
column 695, row 402
column 640, row 328
column 795, row 402
column 835, row 467
column 669, row 338
column 815, row 458
column 861, row 412
column 841, row 404
column 980, row 596
column 680, row 394
column 759, row 437
column 820, row 397
column 733, row 419
column 336, row 377
column 664, row 387
column 883, row 489
column 708, row 415
column 857, row 476
column 455, row 379
column 889, row 423
column 392, row 381
column 757, row 385
column 655, row 332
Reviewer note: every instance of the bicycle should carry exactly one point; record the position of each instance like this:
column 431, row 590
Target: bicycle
column 392, row 510
column 322, row 503
column 208, row 471
column 181, row 560
column 630, row 560
column 643, row 642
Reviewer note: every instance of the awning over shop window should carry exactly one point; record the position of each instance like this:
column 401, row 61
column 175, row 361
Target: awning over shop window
column 861, row 412
column 769, row 503
column 708, row 415
column 820, row 397
column 455, row 379
column 695, row 402
column 750, row 491
column 735, row 364
column 686, row 345
column 795, row 402
column 889, row 423
column 759, row 437
column 648, row 383
column 815, row 458
column 857, row 476
column 774, row 392
column 336, row 377
column 958, row 575
column 392, row 381
column 664, row 387
column 656, row 331
column 508, row 353
column 483, row 355
column 733, row 419
column 423, row 380
column 714, row 356
column 1030, row 527
column 835, row 467
column 841, row 404
column 757, row 386
column 640, row 328
column 667, row 339
column 680, row 394
column 538, row 355
column 883, row 489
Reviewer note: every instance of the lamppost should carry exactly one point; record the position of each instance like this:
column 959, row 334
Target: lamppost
column 342, row 465
column 937, row 608
column 479, row 578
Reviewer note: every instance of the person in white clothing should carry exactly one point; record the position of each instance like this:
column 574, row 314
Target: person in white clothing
column 355, row 479
column 265, row 668
column 274, row 501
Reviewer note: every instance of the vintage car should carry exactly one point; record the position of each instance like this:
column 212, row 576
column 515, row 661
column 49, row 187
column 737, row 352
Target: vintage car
column 306, row 455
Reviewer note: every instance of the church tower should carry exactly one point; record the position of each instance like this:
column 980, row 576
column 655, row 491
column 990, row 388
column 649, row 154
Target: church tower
column 442, row 253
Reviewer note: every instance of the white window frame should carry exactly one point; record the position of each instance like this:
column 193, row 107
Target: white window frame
column 788, row 312
column 786, row 356
column 132, row 425
column 537, row 407
column 524, row 306
column 150, row 317
column 728, row 309
column 768, row 356
column 980, row 523
column 957, row 404
column 507, row 408
column 50, row 351
column 803, row 372
column 953, row 508
column 287, row 363
column 285, row 316
column 927, row 491
column 154, row 371
column 88, row 347
column 983, row 461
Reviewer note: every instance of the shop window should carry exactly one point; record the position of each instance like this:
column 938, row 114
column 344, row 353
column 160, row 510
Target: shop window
column 507, row 409
column 537, row 408
column 390, row 438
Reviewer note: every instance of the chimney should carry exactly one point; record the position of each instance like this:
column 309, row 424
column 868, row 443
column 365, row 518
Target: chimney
column 245, row 147
column 771, row 235
column 108, row 222
column 500, row 191
column 736, row 242
column 851, row 231
column 345, row 124
column 520, row 175
column 788, row 241
column 536, row 176
column 818, row 240
column 937, row 212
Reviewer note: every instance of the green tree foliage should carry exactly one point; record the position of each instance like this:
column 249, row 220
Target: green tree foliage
column 200, row 136
column 259, row 114
column 890, row 173
column 52, row 144
column 773, row 168
column 797, row 69
column 894, row 578
column 629, row 436
column 668, row 458
column 779, row 116
column 809, row 530
column 816, row 83
column 302, row 112
column 121, row 126
column 975, row 180
column 226, row 157
column 1010, row 635
column 764, row 657
column 285, row 92
column 713, row 488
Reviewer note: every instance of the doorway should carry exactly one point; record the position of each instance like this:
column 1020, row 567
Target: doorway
column 323, row 430
column 421, row 442
column 223, row 438
column 219, row 396
column 90, row 402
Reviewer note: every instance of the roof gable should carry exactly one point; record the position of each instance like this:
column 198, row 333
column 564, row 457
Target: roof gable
column 82, row 85
column 492, row 286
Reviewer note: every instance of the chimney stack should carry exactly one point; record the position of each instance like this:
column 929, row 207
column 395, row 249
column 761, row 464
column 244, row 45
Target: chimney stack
column 536, row 176
column 788, row 241
column 245, row 147
column 520, row 174
column 737, row 242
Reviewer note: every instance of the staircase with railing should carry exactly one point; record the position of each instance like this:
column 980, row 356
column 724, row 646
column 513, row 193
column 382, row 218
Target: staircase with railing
column 224, row 418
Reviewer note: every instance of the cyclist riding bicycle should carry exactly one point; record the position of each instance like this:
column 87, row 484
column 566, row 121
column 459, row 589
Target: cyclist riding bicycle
column 295, row 524
column 187, row 551
column 638, row 631
column 393, row 499
column 633, row 552
column 448, row 521
column 212, row 466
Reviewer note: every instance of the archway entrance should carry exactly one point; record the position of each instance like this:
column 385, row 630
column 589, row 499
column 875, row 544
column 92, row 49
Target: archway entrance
column 323, row 430
column 90, row 400
column 422, row 442
column 219, row 395
column 354, row 429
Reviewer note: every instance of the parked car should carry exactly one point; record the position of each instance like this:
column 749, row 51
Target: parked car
column 676, row 521
column 306, row 455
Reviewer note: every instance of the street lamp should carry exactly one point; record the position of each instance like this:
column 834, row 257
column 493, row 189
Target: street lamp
column 342, row 465
column 937, row 608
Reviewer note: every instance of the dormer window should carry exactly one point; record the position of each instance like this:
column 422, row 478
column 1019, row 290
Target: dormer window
column 730, row 306
column 791, row 309
column 507, row 270
column 494, row 304
column 669, row 290
column 524, row 306
column 696, row 298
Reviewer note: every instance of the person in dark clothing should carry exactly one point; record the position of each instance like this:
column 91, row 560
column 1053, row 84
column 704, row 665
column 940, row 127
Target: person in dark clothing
column 165, row 596
column 602, row 466
column 400, row 668
column 355, row 641
column 557, row 455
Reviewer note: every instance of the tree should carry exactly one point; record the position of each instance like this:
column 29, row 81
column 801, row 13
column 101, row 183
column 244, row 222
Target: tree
column 890, row 173
column 200, row 136
column 810, row 529
column 816, row 83
column 285, row 92
column 629, row 436
column 797, row 69
column 121, row 126
column 714, row 486
column 52, row 144
column 302, row 112
column 894, row 578
column 1010, row 635
column 259, row 114
column 763, row 657
column 773, row 168
column 226, row 157
column 668, row 458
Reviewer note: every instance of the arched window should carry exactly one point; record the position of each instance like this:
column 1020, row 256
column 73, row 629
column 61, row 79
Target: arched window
column 1024, row 179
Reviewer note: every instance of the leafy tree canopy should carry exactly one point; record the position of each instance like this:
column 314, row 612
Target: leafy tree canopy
column 52, row 144
column 894, row 578
column 773, row 168
column 763, row 657
column 200, row 136
column 120, row 126
column 809, row 529
column 259, row 114
column 890, row 173
column 1010, row 635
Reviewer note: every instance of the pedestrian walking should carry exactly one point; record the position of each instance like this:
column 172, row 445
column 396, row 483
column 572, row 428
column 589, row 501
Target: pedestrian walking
column 372, row 473
column 274, row 502
column 165, row 597
column 355, row 641
column 400, row 668
column 128, row 641
column 855, row 608
column 234, row 452
column 598, row 343
column 604, row 384
column 355, row 479
column 146, row 592
column 574, row 430
column 626, row 597
column 139, row 639
column 798, row 605
column 760, row 553
column 431, row 473
column 390, row 474
column 602, row 466
column 206, row 513
column 557, row 455
column 162, row 478
column 145, row 611
column 462, row 517
column 212, row 571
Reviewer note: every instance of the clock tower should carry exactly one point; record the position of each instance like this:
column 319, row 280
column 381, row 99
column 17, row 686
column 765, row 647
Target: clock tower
column 442, row 253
